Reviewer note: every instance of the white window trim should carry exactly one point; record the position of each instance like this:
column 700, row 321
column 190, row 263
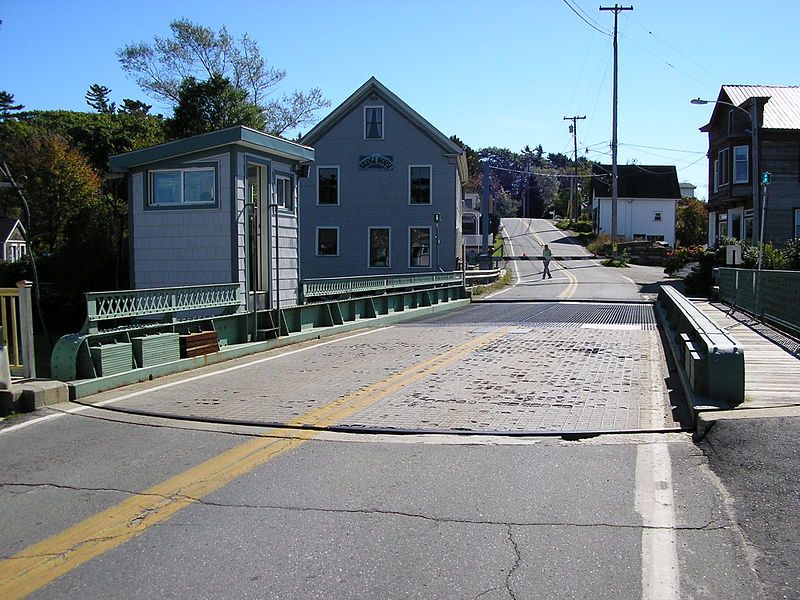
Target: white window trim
column 716, row 174
column 338, row 185
column 747, row 163
column 658, row 217
column 316, row 242
column 430, row 186
column 183, row 170
column 281, row 177
column 383, row 122
column 389, row 257
column 723, row 158
column 430, row 247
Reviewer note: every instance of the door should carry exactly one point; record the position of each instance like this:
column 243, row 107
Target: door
column 258, row 201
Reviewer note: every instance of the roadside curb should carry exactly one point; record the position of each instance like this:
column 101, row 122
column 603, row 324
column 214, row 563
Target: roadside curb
column 30, row 395
column 705, row 420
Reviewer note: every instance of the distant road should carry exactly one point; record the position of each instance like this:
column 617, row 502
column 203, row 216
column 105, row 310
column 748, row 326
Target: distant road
column 576, row 277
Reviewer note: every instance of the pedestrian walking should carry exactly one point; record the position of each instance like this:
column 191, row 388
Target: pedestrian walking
column 547, row 256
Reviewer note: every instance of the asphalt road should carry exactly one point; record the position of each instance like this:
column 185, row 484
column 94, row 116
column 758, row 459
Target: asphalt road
column 103, row 504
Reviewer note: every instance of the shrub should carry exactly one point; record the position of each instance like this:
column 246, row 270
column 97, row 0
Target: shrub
column 680, row 257
column 791, row 253
column 600, row 245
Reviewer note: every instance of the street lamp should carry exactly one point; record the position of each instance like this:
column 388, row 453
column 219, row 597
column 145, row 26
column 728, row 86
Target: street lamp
column 752, row 114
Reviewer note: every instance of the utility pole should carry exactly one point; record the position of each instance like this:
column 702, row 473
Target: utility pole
column 614, row 188
column 573, row 129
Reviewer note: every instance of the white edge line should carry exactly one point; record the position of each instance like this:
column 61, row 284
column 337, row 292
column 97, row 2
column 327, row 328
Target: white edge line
column 187, row 380
column 516, row 273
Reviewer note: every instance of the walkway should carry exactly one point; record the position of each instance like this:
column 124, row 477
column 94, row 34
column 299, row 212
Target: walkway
column 772, row 360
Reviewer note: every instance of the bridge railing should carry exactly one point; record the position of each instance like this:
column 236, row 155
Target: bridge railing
column 339, row 286
column 770, row 295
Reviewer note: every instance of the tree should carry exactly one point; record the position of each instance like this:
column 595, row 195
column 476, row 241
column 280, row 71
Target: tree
column 214, row 104
column 691, row 223
column 7, row 106
column 194, row 51
column 98, row 98
column 134, row 107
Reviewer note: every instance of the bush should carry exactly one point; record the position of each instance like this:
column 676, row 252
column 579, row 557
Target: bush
column 680, row 257
column 576, row 226
column 792, row 254
column 618, row 261
column 600, row 245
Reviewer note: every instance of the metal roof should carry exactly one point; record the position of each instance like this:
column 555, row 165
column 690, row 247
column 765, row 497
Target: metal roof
column 782, row 111
column 223, row 137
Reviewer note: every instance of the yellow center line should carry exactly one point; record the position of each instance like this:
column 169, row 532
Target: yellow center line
column 45, row 561
column 573, row 284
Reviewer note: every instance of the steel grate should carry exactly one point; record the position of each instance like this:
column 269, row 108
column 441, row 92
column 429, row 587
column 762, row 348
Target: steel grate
column 557, row 314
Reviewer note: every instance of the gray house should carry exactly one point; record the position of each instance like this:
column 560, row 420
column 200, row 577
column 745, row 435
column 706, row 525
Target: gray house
column 385, row 195
column 216, row 208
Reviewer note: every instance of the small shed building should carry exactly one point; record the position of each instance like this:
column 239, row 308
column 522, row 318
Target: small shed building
column 217, row 208
column 12, row 236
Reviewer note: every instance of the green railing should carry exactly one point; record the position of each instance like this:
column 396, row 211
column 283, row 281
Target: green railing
column 771, row 295
column 124, row 304
column 339, row 286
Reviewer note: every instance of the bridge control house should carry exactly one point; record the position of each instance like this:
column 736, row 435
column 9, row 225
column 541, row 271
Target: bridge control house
column 217, row 208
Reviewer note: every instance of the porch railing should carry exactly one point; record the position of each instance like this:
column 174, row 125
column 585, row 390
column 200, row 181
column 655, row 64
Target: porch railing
column 16, row 318
column 338, row 286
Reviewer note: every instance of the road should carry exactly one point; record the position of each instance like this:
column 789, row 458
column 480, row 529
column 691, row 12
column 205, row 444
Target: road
column 507, row 450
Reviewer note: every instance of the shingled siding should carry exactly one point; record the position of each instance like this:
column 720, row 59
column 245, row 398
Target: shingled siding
column 377, row 198
column 186, row 245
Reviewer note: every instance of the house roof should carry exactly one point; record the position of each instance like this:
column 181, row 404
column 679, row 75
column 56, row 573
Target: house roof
column 232, row 135
column 781, row 110
column 637, row 181
column 373, row 86
column 7, row 226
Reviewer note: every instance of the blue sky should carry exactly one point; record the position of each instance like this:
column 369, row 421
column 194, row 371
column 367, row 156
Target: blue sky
column 503, row 73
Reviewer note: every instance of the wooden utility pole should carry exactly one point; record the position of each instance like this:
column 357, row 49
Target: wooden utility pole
column 574, row 209
column 614, row 189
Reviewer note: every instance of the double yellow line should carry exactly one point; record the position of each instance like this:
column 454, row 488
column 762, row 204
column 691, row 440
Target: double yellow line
column 45, row 561
column 570, row 290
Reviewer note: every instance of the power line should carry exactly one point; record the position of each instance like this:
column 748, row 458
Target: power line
column 589, row 22
column 665, row 149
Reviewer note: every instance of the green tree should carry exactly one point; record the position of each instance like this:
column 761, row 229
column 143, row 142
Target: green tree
column 194, row 51
column 691, row 222
column 98, row 98
column 7, row 106
column 214, row 104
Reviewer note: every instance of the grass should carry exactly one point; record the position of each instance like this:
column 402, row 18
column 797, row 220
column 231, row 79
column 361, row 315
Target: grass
column 498, row 246
column 618, row 261
column 480, row 290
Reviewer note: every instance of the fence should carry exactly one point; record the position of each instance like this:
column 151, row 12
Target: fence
column 16, row 319
column 339, row 286
column 769, row 295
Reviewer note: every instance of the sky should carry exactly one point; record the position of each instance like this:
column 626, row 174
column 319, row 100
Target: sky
column 502, row 73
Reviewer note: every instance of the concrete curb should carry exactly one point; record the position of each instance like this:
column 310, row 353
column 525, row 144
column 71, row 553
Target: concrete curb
column 705, row 420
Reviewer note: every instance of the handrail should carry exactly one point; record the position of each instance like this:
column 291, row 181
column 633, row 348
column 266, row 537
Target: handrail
column 334, row 286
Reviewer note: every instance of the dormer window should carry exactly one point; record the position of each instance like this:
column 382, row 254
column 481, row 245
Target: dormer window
column 373, row 122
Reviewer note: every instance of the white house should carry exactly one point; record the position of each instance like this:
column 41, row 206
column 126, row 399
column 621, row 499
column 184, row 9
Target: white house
column 12, row 236
column 647, row 200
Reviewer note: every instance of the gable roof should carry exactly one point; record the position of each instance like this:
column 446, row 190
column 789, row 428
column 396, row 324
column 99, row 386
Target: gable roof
column 373, row 86
column 222, row 137
column 7, row 227
column 637, row 181
column 781, row 108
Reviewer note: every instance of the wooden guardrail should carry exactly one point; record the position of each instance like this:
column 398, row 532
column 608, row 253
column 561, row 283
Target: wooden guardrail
column 711, row 359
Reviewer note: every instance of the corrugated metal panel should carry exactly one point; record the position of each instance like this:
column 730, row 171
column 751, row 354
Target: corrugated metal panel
column 781, row 112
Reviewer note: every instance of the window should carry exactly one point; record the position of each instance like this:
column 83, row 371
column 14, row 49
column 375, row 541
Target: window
column 722, row 228
column 328, row 185
column 182, row 186
column 373, row 122
column 283, row 192
column 716, row 175
column 748, row 224
column 379, row 246
column 419, row 184
column 741, row 164
column 469, row 225
column 797, row 223
column 655, row 238
column 420, row 247
column 723, row 156
column 657, row 216
column 327, row 241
